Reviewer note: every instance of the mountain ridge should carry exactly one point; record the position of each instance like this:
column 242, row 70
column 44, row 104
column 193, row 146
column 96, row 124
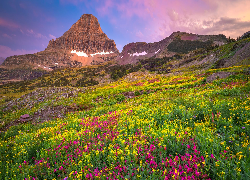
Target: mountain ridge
column 78, row 48
column 133, row 52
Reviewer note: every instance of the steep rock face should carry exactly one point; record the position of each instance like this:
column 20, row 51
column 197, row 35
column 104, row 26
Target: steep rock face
column 83, row 44
column 85, row 35
column 133, row 52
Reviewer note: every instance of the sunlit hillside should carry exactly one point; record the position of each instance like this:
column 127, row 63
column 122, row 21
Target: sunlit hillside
column 187, row 125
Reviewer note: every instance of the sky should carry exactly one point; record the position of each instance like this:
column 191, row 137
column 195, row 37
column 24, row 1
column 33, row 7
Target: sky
column 26, row 26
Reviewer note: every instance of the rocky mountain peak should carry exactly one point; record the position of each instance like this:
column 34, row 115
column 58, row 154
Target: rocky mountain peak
column 85, row 35
column 83, row 44
column 87, row 22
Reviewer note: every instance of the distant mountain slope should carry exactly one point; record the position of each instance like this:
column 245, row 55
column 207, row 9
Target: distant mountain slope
column 236, row 53
column 177, row 42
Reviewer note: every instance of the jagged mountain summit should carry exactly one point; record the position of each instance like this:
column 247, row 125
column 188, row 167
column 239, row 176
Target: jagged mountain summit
column 177, row 42
column 86, row 40
column 83, row 44
column 85, row 35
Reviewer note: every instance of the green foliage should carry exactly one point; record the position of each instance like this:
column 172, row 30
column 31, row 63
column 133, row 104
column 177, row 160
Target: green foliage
column 137, row 93
column 182, row 46
column 25, row 74
column 157, row 120
column 181, row 111
column 228, row 50
column 84, row 82
column 160, row 65
column 120, row 97
column 118, row 71
column 63, row 81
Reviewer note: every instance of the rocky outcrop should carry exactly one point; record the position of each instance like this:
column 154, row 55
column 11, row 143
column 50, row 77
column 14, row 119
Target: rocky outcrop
column 133, row 52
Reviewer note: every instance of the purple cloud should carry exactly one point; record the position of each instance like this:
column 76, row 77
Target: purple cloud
column 7, row 36
column 8, row 24
column 37, row 35
column 6, row 51
column 52, row 37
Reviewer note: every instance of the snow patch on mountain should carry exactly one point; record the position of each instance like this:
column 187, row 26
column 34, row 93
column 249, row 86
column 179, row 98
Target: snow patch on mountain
column 102, row 53
column 138, row 54
column 79, row 53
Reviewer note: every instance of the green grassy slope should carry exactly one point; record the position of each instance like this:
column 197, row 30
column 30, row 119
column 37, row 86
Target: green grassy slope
column 169, row 126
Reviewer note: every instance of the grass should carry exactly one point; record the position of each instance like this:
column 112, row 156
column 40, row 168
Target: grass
column 173, row 127
column 228, row 50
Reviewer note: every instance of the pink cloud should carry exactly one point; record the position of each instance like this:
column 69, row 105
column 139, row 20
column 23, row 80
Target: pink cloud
column 30, row 31
column 104, row 9
column 75, row 2
column 37, row 35
column 7, row 36
column 6, row 51
column 196, row 16
column 157, row 19
column 8, row 24
column 139, row 35
column 137, row 8
column 22, row 5
column 52, row 37
column 36, row 11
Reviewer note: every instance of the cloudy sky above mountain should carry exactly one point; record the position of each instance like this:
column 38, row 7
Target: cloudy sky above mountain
column 27, row 26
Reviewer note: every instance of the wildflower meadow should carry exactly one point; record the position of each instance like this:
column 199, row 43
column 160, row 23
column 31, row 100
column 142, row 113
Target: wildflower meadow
column 178, row 126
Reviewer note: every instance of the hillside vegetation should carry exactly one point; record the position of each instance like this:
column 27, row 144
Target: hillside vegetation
column 160, row 127
column 175, row 119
